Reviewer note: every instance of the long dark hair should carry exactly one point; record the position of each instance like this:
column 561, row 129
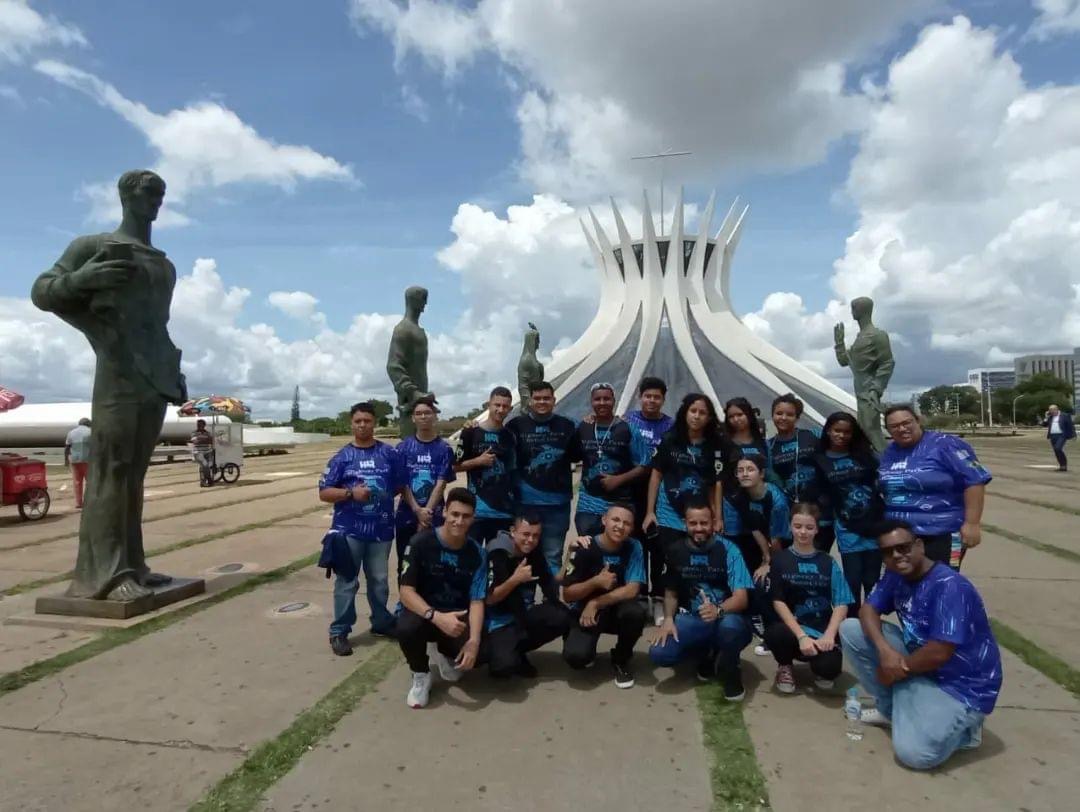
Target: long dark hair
column 712, row 427
column 861, row 448
column 744, row 406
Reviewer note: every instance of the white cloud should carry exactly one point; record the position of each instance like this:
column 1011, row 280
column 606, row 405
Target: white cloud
column 12, row 95
column 1056, row 18
column 743, row 85
column 413, row 103
column 202, row 146
column 443, row 34
column 967, row 183
column 297, row 304
column 23, row 30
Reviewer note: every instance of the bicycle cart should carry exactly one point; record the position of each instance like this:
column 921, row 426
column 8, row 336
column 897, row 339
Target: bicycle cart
column 23, row 483
column 228, row 457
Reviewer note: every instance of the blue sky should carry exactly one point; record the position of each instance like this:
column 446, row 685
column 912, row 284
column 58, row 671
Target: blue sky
column 335, row 78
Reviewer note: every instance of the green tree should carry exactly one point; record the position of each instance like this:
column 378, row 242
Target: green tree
column 944, row 400
column 1033, row 397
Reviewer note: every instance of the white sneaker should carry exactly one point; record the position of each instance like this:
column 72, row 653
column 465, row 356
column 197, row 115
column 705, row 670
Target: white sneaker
column 658, row 611
column 823, row 684
column 447, row 670
column 762, row 650
column 420, row 690
column 872, row 716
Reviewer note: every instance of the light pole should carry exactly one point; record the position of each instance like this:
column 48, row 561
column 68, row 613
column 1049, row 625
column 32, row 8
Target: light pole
column 1014, row 407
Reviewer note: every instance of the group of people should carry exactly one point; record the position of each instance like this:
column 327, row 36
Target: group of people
column 696, row 522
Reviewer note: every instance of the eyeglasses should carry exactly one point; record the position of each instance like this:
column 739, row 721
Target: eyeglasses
column 597, row 386
column 903, row 424
column 898, row 550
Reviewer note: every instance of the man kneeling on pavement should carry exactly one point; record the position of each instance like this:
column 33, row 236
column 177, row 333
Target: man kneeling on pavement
column 706, row 594
column 937, row 675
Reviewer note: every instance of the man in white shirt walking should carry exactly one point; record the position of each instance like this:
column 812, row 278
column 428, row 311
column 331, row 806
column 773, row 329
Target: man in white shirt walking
column 77, row 457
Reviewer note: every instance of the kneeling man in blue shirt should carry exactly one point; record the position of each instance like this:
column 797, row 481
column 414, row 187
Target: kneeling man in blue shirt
column 937, row 674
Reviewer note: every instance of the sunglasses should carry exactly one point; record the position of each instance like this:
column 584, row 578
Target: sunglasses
column 597, row 386
column 898, row 550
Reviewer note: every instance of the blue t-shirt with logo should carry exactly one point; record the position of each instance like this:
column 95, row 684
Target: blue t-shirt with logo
column 851, row 486
column 494, row 486
column 379, row 468
column 771, row 514
column 607, row 450
column 924, row 485
column 791, row 461
column 651, row 430
column 688, row 471
column 424, row 464
column 943, row 605
column 545, row 449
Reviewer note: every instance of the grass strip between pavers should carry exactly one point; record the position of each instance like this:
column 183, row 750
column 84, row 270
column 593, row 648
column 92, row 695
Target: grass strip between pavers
column 26, row 586
column 113, row 638
column 1037, row 657
column 1039, row 503
column 162, row 517
column 1035, row 544
column 244, row 787
column 737, row 782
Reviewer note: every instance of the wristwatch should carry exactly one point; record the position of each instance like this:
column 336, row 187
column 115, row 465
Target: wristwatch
column 429, row 614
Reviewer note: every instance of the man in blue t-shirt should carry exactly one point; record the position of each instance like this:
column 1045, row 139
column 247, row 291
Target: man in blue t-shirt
column 706, row 588
column 360, row 481
column 427, row 461
column 937, row 674
column 649, row 420
column 613, row 457
column 544, row 451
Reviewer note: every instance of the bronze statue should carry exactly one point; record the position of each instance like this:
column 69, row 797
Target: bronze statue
column 529, row 370
column 406, row 363
column 116, row 290
column 872, row 364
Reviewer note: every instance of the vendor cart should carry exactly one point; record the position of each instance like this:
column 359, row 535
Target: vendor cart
column 23, row 483
column 228, row 450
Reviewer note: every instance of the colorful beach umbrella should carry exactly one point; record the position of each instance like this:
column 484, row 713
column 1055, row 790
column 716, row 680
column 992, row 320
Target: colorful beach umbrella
column 215, row 404
column 9, row 400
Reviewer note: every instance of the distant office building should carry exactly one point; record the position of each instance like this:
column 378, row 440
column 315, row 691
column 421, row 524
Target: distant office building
column 991, row 379
column 1063, row 365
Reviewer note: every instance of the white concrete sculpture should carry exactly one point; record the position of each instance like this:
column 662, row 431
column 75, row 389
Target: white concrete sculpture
column 667, row 313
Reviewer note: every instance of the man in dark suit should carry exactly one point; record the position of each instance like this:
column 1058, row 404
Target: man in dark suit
column 116, row 290
column 1059, row 430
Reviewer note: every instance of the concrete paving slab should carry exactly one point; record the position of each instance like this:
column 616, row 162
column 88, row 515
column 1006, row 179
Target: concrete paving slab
column 230, row 676
column 22, row 645
column 1027, row 760
column 48, row 772
column 542, row 745
column 1050, row 526
column 1044, row 612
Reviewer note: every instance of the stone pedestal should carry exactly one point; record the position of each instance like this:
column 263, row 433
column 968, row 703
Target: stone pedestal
column 177, row 589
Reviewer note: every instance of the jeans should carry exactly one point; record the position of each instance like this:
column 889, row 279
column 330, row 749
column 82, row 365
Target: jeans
column 785, row 650
column 372, row 557
column 861, row 571
column 723, row 639
column 1057, row 442
column 555, row 521
column 928, row 725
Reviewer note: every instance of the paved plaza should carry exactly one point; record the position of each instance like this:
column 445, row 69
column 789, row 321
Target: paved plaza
column 163, row 712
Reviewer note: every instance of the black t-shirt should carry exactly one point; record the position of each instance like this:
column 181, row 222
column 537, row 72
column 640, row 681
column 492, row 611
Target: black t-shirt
column 810, row 585
column 689, row 471
column 502, row 560
column 851, row 484
column 737, row 451
column 792, row 463
column 717, row 569
column 544, row 454
column 494, row 486
column 628, row 564
column 612, row 450
column 447, row 579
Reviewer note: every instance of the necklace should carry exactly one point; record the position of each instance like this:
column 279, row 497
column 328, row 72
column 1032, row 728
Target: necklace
column 601, row 443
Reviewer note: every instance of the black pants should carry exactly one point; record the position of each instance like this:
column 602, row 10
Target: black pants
column 939, row 548
column 414, row 633
column 825, row 537
column 655, row 546
column 484, row 530
column 626, row 620
column 1057, row 442
column 502, row 648
column 785, row 649
column 861, row 571
column 588, row 524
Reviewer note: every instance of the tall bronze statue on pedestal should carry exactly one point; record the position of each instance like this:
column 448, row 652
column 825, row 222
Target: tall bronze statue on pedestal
column 529, row 370
column 116, row 290
column 872, row 364
column 406, row 363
